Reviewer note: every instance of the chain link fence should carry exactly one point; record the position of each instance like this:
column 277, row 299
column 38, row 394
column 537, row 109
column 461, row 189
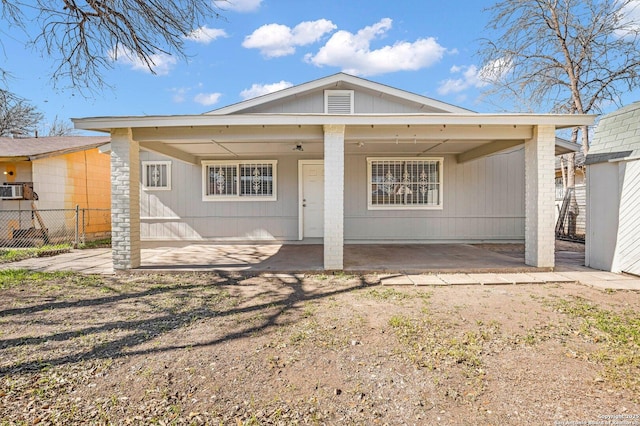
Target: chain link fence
column 36, row 228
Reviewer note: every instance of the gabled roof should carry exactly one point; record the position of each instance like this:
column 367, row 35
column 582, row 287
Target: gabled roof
column 617, row 136
column 22, row 149
column 341, row 81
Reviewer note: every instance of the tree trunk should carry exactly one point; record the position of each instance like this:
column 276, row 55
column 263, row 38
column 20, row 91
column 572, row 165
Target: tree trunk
column 571, row 168
column 585, row 140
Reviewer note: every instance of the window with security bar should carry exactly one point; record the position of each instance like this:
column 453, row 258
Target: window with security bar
column 240, row 181
column 404, row 183
column 156, row 175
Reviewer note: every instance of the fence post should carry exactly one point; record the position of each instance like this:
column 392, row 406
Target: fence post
column 77, row 226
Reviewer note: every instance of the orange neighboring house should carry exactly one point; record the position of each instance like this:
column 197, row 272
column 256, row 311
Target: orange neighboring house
column 63, row 172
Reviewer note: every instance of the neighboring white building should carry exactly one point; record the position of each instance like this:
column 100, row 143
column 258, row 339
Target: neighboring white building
column 613, row 193
column 336, row 160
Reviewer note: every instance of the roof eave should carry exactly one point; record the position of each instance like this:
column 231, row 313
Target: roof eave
column 560, row 121
column 564, row 146
column 48, row 154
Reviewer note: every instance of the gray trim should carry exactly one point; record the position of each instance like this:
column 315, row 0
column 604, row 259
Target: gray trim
column 604, row 157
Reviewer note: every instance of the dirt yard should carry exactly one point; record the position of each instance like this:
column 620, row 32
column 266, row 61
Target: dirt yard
column 210, row 349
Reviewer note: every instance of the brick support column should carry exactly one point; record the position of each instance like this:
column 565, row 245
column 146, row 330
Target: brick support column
column 539, row 158
column 125, row 200
column 334, row 197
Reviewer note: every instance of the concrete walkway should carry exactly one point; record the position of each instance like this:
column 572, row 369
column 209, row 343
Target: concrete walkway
column 420, row 265
column 591, row 278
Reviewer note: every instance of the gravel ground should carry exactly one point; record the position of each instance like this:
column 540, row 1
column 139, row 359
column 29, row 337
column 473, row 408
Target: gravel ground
column 233, row 350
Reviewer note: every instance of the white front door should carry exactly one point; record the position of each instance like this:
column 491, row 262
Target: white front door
column 311, row 173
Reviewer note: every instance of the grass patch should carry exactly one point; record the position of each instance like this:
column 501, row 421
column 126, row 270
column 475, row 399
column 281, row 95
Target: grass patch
column 391, row 294
column 101, row 243
column 386, row 294
column 617, row 334
column 433, row 345
column 18, row 277
column 15, row 254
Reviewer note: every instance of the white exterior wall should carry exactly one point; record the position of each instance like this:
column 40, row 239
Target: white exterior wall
column 628, row 253
column 613, row 239
column 602, row 226
column 483, row 201
column 613, row 193
column 50, row 182
column 180, row 213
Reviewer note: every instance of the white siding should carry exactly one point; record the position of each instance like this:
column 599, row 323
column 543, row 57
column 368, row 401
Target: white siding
column 483, row 200
column 613, row 193
column 180, row 212
column 629, row 228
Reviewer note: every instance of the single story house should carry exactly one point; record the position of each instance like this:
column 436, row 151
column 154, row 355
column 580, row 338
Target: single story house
column 613, row 193
column 336, row 160
column 63, row 172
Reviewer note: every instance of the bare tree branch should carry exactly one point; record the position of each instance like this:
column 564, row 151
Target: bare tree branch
column 17, row 117
column 58, row 127
column 86, row 36
column 575, row 56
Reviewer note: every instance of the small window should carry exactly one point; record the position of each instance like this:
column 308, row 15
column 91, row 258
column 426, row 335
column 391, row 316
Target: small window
column 404, row 183
column 156, row 175
column 338, row 101
column 239, row 181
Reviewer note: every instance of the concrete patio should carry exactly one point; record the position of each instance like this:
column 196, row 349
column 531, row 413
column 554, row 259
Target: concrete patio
column 418, row 258
column 397, row 264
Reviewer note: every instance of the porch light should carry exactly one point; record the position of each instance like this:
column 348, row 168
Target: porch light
column 298, row 147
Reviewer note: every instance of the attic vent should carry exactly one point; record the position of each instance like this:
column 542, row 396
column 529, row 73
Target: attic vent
column 338, row 101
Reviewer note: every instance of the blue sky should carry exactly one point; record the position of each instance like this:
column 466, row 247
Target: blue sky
column 426, row 47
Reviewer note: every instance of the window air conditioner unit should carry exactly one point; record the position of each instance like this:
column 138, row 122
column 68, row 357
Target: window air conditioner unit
column 11, row 192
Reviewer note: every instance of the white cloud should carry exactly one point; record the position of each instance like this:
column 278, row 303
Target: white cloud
column 207, row 99
column 205, row 35
column 353, row 53
column 471, row 76
column 630, row 19
column 263, row 89
column 276, row 40
column 496, row 70
column 179, row 94
column 238, row 5
column 160, row 62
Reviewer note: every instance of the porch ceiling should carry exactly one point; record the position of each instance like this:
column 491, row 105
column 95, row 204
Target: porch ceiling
column 192, row 144
column 193, row 138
